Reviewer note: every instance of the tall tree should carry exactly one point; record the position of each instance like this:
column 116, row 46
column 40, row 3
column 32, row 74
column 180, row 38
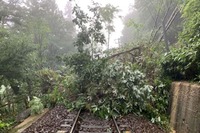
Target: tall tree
column 108, row 14
column 53, row 34
column 68, row 10
column 91, row 34
column 15, row 50
column 149, row 16
column 191, row 15
column 11, row 13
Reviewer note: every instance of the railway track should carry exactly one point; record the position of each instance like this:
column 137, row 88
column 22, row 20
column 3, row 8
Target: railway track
column 68, row 123
column 85, row 122
column 60, row 120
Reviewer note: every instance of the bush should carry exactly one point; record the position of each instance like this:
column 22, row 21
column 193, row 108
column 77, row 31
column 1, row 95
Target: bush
column 124, row 86
column 55, row 97
column 4, row 126
column 116, row 89
column 64, row 91
column 108, row 87
column 86, row 69
column 69, row 85
column 36, row 106
column 182, row 63
column 191, row 27
column 48, row 80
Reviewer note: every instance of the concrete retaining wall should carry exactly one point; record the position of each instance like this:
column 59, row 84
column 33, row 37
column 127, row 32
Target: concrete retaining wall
column 185, row 107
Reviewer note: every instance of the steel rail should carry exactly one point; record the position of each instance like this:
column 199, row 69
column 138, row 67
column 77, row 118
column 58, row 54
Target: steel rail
column 75, row 121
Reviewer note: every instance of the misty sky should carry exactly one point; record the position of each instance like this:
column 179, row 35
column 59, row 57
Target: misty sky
column 123, row 5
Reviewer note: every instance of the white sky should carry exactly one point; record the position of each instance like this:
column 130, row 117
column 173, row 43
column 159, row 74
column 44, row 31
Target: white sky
column 123, row 5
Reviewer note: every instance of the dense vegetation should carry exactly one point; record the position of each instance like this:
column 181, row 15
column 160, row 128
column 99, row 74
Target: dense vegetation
column 33, row 35
column 40, row 67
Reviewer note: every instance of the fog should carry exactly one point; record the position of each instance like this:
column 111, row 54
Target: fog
column 123, row 5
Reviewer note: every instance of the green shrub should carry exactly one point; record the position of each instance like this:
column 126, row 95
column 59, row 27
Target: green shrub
column 48, row 80
column 36, row 106
column 108, row 87
column 69, row 86
column 63, row 92
column 191, row 26
column 115, row 89
column 182, row 63
column 4, row 126
column 86, row 69
column 6, row 98
column 55, row 97
column 122, row 90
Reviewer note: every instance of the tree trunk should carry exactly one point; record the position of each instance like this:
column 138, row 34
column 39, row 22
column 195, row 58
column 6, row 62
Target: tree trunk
column 165, row 37
column 170, row 21
column 108, row 43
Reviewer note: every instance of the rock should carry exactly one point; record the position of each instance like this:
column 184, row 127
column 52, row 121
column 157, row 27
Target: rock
column 23, row 115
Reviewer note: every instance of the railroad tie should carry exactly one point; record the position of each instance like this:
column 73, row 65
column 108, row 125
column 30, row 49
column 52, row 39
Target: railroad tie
column 66, row 125
column 94, row 126
column 61, row 132
column 68, row 120
column 92, row 132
